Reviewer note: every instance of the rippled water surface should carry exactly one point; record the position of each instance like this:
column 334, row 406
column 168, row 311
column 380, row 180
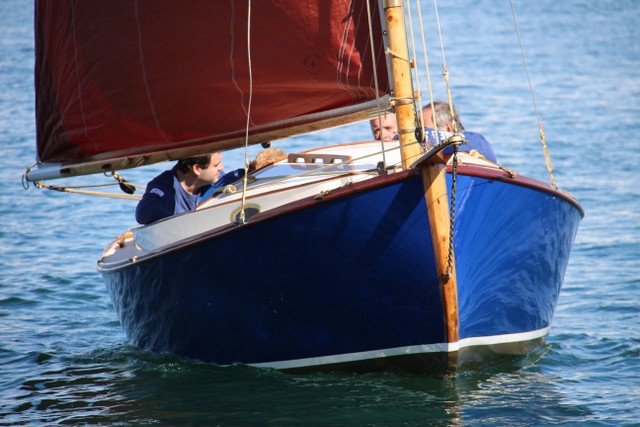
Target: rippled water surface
column 64, row 358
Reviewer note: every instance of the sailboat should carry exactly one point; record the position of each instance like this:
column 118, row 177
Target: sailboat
column 354, row 256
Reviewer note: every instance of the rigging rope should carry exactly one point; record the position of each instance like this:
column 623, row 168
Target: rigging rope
column 75, row 190
column 452, row 209
column 126, row 186
column 375, row 80
column 427, row 71
column 543, row 138
column 445, row 73
column 246, row 135
column 426, row 66
column 417, row 105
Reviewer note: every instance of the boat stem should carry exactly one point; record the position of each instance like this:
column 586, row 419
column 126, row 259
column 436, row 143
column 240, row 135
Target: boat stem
column 433, row 172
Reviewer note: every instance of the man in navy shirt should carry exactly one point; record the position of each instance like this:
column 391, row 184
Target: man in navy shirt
column 180, row 188
column 444, row 124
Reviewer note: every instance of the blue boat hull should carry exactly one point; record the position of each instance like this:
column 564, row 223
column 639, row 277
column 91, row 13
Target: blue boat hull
column 351, row 279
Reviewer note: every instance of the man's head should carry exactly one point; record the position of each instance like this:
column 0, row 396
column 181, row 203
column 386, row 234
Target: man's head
column 204, row 168
column 442, row 117
column 385, row 130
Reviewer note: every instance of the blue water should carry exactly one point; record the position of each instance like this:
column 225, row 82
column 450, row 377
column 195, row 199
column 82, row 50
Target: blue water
column 64, row 359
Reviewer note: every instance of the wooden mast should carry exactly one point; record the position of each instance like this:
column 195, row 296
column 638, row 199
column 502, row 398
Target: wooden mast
column 404, row 100
column 433, row 173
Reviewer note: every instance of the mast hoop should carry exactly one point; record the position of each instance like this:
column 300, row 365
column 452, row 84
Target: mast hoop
column 388, row 4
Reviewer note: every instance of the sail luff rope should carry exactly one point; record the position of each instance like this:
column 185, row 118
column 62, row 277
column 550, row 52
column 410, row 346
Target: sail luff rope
column 543, row 138
column 245, row 178
column 375, row 80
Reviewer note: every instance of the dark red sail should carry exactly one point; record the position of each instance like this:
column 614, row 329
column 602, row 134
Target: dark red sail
column 127, row 77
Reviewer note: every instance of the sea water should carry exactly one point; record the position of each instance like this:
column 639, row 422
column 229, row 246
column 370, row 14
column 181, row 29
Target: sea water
column 64, row 359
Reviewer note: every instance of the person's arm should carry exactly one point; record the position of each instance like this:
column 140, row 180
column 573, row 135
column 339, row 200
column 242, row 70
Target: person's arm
column 157, row 202
column 483, row 146
column 225, row 179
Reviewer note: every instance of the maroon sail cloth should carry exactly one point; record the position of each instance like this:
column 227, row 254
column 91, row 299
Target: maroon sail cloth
column 126, row 77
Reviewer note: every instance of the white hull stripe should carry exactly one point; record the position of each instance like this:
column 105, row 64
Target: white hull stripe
column 404, row 351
